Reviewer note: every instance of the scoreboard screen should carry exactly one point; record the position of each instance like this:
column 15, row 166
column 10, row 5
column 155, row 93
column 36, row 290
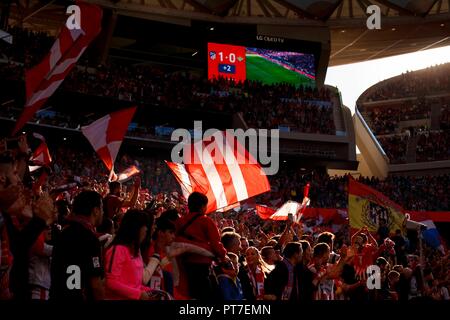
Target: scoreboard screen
column 226, row 61
column 266, row 65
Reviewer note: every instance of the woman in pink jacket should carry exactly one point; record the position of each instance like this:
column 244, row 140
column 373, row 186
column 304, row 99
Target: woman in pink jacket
column 123, row 261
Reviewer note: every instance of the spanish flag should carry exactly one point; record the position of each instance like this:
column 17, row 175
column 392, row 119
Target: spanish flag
column 369, row 207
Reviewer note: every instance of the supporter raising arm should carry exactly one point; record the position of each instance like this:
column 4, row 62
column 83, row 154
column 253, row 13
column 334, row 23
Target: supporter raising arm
column 24, row 219
column 113, row 202
column 370, row 239
column 286, row 236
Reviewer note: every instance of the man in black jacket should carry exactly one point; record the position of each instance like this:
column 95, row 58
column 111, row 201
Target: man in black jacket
column 282, row 282
column 77, row 266
column 305, row 276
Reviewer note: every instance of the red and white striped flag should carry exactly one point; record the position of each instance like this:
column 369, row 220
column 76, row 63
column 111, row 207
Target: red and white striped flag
column 223, row 170
column 106, row 134
column 290, row 207
column 42, row 80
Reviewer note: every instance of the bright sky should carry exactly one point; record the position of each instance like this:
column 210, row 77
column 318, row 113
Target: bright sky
column 353, row 79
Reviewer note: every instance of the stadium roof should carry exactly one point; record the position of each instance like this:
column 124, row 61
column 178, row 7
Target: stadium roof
column 406, row 25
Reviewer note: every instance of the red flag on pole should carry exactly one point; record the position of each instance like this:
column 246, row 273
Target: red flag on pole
column 41, row 156
column 42, row 80
column 106, row 134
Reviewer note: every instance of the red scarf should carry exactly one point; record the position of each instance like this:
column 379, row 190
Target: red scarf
column 257, row 281
column 290, row 285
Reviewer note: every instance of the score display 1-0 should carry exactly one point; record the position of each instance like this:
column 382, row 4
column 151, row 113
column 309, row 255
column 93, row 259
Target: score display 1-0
column 226, row 61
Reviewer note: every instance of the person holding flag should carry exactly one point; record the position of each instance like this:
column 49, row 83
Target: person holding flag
column 113, row 203
column 200, row 230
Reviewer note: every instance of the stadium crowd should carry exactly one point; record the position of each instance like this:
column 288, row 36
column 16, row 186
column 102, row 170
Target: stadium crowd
column 132, row 243
column 394, row 136
column 385, row 120
column 395, row 147
column 301, row 109
column 29, row 46
column 433, row 145
column 412, row 84
column 310, row 110
column 416, row 193
column 143, row 241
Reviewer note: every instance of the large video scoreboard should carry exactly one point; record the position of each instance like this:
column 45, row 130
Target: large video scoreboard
column 269, row 66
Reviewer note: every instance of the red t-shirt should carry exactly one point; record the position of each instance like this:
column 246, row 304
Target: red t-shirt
column 364, row 259
column 113, row 204
column 202, row 232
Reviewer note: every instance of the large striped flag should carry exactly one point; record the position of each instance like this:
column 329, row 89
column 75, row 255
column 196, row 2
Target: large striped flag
column 221, row 169
column 367, row 207
column 42, row 80
column 106, row 135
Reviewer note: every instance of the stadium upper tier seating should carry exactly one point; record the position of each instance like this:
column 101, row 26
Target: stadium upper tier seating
column 301, row 109
column 409, row 115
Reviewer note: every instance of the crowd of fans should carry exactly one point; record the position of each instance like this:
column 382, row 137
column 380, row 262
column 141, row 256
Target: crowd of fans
column 412, row 84
column 29, row 46
column 303, row 109
column 445, row 116
column 143, row 241
column 149, row 244
column 415, row 193
column 385, row 120
column 395, row 147
column 412, row 192
column 432, row 145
